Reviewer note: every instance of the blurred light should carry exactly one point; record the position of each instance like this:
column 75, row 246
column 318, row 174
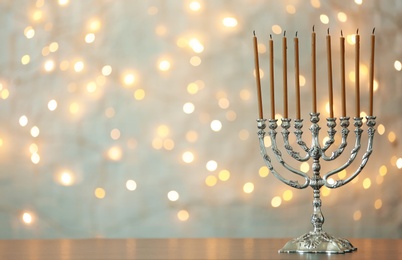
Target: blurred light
column 139, row 94
column 115, row 134
column 161, row 30
column 245, row 94
column 5, row 93
column 391, row 137
column 324, row 19
column 188, row 108
column 53, row 47
column 399, row 163
column 263, row 171
column 25, row 59
column 35, row 158
column 223, row 103
column 49, row 65
column 342, row 17
column 91, row 87
column 244, row 134
column 168, row 144
column 33, row 148
column 64, row 65
column 163, row 131
column 290, row 9
column 315, row 3
column 216, row 125
column 90, row 38
column 304, row 167
column 267, row 141
column 276, row 29
column 157, row 143
column 78, row 66
column 191, row 136
column 173, row 195
column 106, row 70
column 183, row 215
column 378, row 204
column 366, row 183
column 35, row 131
column 375, row 85
column 229, row 22
column 131, row 185
column 351, row 39
column 109, row 112
column 357, row 215
column 383, row 170
column 398, row 65
column 187, row 157
column 152, row 10
column 359, row 2
column 224, row 175
column 381, row 129
column 192, row 88
column 211, row 165
column 115, row 153
column 100, row 193
column 342, row 174
column 248, row 187
column 164, row 65
column 195, row 61
column 287, row 195
column 196, row 45
column 27, row 218
column 63, row 2
column 129, row 79
column 261, row 48
column 29, row 32
column 231, row 115
column 276, row 201
column 74, row 108
column 302, row 80
column 325, row 191
column 94, row 25
column 23, row 121
column 194, row 6
column 211, row 180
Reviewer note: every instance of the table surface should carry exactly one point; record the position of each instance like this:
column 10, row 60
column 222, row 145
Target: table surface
column 173, row 248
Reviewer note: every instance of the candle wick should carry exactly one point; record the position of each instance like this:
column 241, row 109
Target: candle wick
column 341, row 33
column 357, row 31
column 254, row 32
column 270, row 36
column 296, row 34
column 313, row 28
column 284, row 33
column 373, row 30
column 328, row 30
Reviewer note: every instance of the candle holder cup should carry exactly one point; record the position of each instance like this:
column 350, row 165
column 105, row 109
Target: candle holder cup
column 317, row 240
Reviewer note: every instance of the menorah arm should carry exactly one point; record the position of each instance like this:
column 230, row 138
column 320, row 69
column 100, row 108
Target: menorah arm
column 345, row 132
column 267, row 159
column 289, row 149
column 365, row 157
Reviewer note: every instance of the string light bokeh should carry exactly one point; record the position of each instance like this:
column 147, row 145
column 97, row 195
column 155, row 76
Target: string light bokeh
column 137, row 118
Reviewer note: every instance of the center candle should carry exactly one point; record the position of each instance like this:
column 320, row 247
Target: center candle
column 343, row 79
column 313, row 71
column 271, row 72
column 285, row 77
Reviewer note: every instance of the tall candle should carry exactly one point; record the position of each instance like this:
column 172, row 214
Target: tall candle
column 271, row 72
column 330, row 93
column 313, row 69
column 343, row 79
column 257, row 76
column 285, row 76
column 357, row 72
column 371, row 86
column 297, row 80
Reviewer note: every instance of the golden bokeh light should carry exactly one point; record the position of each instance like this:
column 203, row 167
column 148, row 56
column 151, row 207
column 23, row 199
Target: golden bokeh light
column 276, row 201
column 248, row 187
column 100, row 193
column 183, row 215
column 263, row 171
column 131, row 185
column 211, row 180
column 224, row 175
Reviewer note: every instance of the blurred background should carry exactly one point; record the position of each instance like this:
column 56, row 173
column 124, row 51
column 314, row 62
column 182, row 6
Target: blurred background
column 138, row 118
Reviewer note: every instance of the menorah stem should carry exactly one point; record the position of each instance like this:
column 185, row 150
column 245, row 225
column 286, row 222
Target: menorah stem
column 317, row 219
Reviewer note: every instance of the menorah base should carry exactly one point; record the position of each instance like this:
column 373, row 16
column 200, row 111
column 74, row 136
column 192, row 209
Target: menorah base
column 318, row 242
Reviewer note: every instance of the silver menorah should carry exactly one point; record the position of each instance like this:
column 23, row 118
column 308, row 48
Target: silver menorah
column 317, row 240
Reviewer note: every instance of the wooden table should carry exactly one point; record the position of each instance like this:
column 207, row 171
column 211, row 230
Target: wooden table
column 209, row 248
